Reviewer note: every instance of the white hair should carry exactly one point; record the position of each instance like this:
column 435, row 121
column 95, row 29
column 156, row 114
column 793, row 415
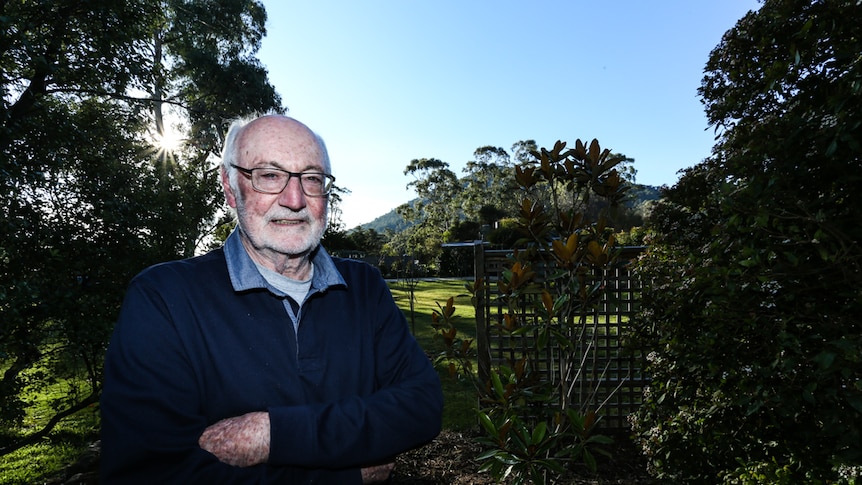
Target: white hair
column 230, row 151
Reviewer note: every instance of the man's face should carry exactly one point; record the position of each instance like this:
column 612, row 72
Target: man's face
column 289, row 223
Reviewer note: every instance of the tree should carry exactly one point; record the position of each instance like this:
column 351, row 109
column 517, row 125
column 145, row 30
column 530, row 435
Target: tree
column 490, row 191
column 199, row 51
column 88, row 199
column 751, row 322
column 368, row 240
column 432, row 213
column 486, row 194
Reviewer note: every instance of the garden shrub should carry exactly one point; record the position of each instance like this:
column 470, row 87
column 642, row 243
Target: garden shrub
column 537, row 425
column 750, row 318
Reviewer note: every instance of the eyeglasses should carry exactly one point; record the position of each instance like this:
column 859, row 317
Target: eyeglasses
column 274, row 180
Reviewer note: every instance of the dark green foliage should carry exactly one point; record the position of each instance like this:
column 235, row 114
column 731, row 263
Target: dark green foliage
column 355, row 242
column 752, row 319
column 505, row 234
column 65, row 214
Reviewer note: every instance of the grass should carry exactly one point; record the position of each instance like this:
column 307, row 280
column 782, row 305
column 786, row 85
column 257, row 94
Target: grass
column 69, row 440
column 72, row 437
column 460, row 395
column 37, row 463
column 428, row 294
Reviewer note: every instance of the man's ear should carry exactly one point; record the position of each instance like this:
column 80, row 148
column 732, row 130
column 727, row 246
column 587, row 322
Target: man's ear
column 229, row 196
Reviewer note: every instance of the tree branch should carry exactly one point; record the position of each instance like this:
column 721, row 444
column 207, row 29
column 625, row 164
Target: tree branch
column 46, row 430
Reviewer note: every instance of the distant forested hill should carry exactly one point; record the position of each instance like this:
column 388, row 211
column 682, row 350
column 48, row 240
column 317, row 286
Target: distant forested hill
column 639, row 194
column 391, row 220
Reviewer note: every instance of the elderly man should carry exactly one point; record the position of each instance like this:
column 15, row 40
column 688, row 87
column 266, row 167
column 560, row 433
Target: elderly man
column 266, row 360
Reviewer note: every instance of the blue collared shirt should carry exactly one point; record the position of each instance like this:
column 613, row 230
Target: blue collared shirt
column 244, row 274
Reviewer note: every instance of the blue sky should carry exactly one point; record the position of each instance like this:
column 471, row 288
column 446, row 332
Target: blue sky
column 386, row 82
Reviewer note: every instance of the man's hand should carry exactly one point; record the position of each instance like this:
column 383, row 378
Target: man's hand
column 377, row 473
column 240, row 441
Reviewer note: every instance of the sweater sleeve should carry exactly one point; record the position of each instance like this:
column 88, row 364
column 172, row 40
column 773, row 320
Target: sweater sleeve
column 152, row 414
column 405, row 410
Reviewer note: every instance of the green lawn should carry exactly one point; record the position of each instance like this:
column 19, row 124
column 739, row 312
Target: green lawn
column 459, row 395
column 428, row 295
column 71, row 438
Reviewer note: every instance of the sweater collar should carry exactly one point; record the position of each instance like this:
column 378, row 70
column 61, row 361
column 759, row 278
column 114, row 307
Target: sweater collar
column 245, row 276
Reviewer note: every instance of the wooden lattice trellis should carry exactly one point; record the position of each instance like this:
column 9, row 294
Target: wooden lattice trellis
column 620, row 386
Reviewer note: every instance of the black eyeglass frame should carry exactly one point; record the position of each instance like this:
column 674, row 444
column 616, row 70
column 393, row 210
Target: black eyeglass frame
column 249, row 172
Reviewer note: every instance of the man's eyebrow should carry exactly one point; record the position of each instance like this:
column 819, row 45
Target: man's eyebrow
column 308, row 168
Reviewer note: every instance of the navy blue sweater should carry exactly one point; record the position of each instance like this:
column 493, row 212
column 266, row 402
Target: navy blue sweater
column 350, row 387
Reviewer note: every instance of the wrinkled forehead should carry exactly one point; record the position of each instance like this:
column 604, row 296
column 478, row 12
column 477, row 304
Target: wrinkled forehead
column 282, row 140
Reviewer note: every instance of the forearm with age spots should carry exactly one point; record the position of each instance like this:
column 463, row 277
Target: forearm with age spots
column 244, row 441
column 240, row 441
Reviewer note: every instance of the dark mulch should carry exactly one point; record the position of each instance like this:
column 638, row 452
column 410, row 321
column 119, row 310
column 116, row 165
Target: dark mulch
column 451, row 460
column 448, row 460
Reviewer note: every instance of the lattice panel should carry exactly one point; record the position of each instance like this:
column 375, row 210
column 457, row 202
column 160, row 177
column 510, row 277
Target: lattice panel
column 621, row 383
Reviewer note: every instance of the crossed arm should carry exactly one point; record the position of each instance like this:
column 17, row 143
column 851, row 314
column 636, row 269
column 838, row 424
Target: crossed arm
column 244, row 441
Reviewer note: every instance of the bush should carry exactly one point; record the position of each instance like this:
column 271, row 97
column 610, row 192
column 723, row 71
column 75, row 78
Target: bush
column 750, row 319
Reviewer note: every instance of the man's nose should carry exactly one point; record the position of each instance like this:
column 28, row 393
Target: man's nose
column 292, row 195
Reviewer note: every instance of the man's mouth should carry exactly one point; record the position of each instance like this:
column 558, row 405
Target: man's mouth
column 288, row 222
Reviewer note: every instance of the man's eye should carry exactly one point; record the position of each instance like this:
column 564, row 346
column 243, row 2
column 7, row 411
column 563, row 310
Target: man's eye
column 270, row 175
column 312, row 178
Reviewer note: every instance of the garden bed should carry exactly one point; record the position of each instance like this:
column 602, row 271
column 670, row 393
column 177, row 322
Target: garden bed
column 451, row 460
